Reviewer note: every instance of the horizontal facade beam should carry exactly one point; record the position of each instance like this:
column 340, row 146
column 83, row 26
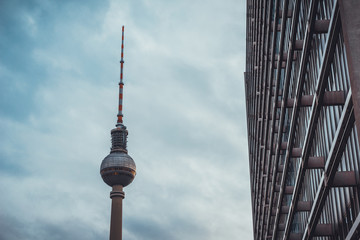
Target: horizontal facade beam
column 283, row 210
column 296, row 152
column 281, row 227
column 288, row 189
column 303, row 206
column 299, row 44
column 345, row 179
column 333, row 98
column 285, row 56
column 295, row 236
column 323, row 230
column 316, row 163
column 313, row 163
column 321, row 26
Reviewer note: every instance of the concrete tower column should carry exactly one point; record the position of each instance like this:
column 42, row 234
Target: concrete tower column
column 117, row 195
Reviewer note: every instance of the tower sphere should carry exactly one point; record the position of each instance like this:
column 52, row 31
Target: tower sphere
column 118, row 168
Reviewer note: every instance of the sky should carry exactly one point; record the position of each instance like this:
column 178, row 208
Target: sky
column 184, row 107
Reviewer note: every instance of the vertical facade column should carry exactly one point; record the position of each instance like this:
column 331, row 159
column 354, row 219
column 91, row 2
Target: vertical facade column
column 117, row 195
column 350, row 20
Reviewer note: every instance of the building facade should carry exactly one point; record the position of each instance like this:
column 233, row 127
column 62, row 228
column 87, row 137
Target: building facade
column 302, row 85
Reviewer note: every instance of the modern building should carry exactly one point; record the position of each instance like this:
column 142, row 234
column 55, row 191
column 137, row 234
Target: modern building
column 302, row 84
column 118, row 169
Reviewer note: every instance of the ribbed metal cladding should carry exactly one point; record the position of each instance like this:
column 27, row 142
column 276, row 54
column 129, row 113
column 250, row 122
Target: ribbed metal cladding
column 300, row 81
column 119, row 139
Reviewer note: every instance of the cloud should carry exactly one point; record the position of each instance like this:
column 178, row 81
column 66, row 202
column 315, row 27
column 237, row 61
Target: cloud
column 184, row 108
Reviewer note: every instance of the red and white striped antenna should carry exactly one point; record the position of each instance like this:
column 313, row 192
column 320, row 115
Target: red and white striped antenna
column 121, row 83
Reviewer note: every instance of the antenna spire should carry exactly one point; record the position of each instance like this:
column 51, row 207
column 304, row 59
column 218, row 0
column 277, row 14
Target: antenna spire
column 121, row 83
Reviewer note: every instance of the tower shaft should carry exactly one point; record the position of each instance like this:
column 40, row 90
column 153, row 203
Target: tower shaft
column 117, row 195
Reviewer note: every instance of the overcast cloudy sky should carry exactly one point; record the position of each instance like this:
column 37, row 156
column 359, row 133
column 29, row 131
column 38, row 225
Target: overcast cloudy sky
column 183, row 106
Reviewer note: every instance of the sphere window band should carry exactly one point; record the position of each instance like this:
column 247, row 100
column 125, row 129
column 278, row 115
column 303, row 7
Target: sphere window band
column 104, row 171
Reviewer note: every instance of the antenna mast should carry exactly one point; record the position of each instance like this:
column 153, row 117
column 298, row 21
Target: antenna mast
column 121, row 83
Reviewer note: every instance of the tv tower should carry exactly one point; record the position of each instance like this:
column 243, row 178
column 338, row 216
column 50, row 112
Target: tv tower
column 118, row 169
